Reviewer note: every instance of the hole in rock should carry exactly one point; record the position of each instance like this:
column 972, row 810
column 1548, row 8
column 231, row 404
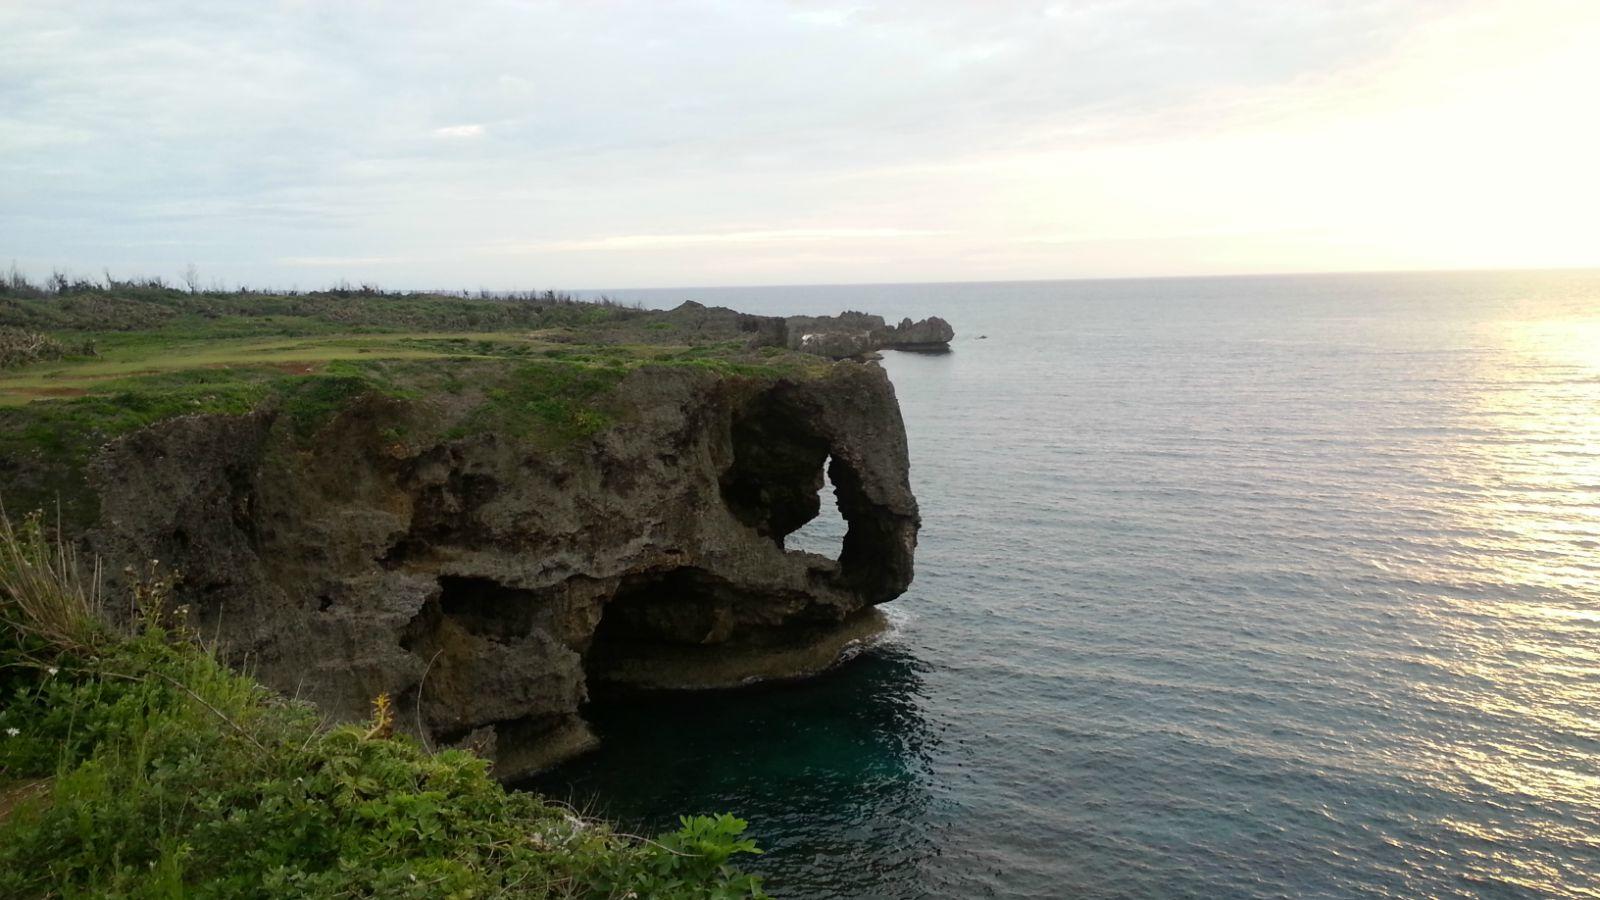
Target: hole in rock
column 677, row 606
column 782, row 463
column 655, row 619
column 777, row 468
column 486, row 607
column 478, row 606
column 824, row 534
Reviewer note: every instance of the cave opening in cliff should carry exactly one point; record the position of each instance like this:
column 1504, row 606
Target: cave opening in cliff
column 486, row 607
column 685, row 605
column 785, row 455
column 776, row 470
column 824, row 533
column 477, row 606
column 654, row 613
column 778, row 482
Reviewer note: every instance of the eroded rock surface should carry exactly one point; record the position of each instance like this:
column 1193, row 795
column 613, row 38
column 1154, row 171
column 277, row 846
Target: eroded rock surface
column 932, row 334
column 488, row 583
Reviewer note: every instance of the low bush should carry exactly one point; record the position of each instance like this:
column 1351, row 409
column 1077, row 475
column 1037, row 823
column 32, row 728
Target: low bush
column 20, row 347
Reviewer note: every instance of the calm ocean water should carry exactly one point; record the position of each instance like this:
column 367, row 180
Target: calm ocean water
column 1235, row 587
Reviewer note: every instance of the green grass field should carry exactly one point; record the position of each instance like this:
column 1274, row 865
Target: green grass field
column 117, row 336
column 123, row 358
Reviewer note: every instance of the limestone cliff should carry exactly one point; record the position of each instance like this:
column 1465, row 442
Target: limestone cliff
column 489, row 580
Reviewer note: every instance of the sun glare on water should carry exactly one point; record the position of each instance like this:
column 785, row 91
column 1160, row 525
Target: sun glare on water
column 1520, row 640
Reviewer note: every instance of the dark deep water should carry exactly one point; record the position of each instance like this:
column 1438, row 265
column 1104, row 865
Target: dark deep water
column 1243, row 587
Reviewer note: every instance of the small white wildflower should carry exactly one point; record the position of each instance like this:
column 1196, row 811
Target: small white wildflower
column 13, row 732
column 52, row 670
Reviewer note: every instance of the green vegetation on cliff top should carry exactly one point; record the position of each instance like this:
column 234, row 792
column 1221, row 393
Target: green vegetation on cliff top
column 93, row 361
column 134, row 764
column 87, row 338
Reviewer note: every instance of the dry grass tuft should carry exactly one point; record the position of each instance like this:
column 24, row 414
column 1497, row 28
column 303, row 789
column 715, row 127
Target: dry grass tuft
column 45, row 593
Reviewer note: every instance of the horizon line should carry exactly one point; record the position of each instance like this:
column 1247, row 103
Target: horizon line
column 1102, row 278
column 334, row 284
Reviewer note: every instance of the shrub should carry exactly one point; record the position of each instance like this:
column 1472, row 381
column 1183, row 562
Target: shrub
column 19, row 347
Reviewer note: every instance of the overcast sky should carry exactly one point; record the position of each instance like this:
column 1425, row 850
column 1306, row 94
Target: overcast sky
column 632, row 144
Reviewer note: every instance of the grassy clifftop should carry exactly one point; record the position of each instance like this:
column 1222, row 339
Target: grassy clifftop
column 89, row 362
column 88, row 338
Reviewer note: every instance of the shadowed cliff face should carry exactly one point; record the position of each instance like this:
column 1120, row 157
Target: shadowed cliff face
column 488, row 584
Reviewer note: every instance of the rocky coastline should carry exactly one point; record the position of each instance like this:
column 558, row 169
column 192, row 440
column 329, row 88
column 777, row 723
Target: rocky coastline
column 488, row 580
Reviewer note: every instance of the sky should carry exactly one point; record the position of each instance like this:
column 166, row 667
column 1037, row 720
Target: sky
column 611, row 143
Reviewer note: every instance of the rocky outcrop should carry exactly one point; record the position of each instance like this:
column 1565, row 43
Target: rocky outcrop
column 489, row 583
column 690, row 320
column 929, row 335
column 854, row 334
column 848, row 335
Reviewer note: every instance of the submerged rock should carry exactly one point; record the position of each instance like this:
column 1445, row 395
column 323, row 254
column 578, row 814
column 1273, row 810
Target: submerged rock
column 487, row 580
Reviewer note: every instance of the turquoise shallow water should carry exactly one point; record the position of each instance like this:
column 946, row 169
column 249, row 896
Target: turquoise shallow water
column 1243, row 587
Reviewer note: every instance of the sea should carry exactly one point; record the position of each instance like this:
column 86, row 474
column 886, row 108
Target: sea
column 1276, row 586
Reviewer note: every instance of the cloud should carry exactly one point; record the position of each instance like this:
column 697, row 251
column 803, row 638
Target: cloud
column 778, row 236
column 895, row 139
column 459, row 131
column 333, row 262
